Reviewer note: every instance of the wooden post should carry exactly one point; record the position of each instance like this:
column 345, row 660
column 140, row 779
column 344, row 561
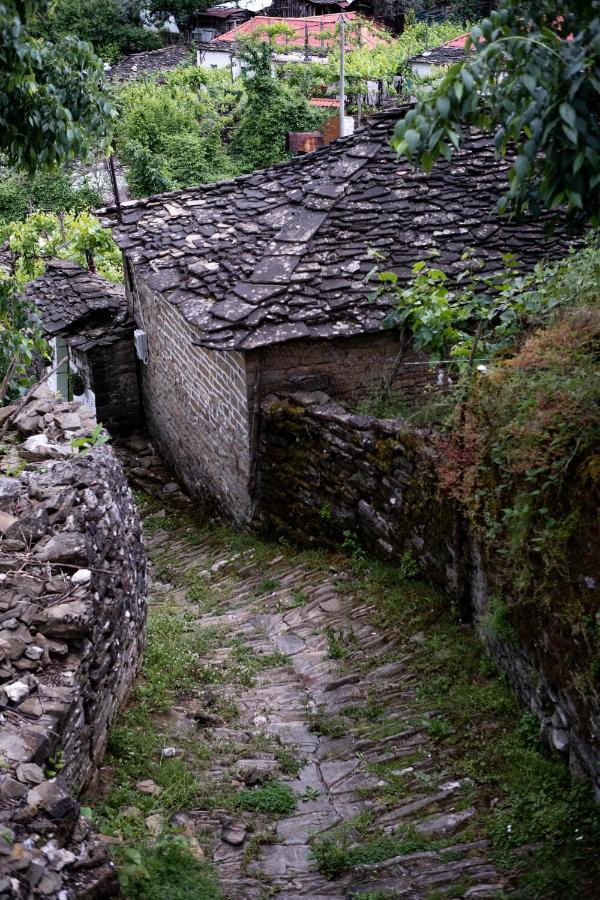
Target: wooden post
column 91, row 263
column 342, row 76
column 115, row 186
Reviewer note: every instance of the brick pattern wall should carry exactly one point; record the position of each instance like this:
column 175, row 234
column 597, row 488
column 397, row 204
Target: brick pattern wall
column 196, row 405
column 347, row 368
column 331, row 129
column 110, row 371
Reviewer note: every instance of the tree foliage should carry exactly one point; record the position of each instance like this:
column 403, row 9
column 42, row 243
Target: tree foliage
column 534, row 80
column 48, row 191
column 169, row 131
column 51, row 107
column 43, row 236
column 21, row 337
column 272, row 110
column 112, row 27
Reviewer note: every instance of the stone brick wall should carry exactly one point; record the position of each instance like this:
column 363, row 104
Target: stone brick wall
column 326, row 474
column 196, row 405
column 110, row 371
column 347, row 368
column 72, row 628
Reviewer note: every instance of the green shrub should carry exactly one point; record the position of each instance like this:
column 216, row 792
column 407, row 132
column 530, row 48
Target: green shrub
column 167, row 871
column 13, row 199
column 170, row 133
column 108, row 26
column 273, row 109
column 274, row 797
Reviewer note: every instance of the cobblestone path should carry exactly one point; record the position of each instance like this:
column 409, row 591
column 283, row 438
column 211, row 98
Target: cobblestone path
column 301, row 691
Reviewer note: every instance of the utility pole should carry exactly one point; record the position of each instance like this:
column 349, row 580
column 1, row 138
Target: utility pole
column 342, row 75
column 234, row 52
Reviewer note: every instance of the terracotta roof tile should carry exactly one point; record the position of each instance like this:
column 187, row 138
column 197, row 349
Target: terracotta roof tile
column 314, row 24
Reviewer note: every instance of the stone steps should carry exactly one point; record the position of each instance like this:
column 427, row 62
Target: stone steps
column 336, row 782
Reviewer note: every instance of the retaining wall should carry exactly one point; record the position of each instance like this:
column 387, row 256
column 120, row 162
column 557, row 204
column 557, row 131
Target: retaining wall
column 328, row 476
column 72, row 628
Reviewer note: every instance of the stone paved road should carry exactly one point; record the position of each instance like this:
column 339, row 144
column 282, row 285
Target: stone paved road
column 367, row 778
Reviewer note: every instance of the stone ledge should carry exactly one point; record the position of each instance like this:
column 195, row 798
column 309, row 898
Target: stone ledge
column 72, row 627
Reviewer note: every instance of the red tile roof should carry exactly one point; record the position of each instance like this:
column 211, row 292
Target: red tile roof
column 457, row 43
column 315, row 25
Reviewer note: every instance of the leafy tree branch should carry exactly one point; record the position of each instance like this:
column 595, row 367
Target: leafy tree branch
column 51, row 106
column 533, row 79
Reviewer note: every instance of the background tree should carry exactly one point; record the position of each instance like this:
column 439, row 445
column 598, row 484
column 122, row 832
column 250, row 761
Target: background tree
column 272, row 110
column 169, row 130
column 112, row 27
column 534, row 79
column 51, row 110
column 181, row 9
column 51, row 105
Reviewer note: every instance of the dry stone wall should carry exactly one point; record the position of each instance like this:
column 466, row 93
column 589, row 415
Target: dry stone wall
column 328, row 476
column 72, row 627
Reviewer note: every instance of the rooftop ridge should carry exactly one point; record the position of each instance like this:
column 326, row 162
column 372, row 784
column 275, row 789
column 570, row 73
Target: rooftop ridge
column 283, row 253
column 297, row 161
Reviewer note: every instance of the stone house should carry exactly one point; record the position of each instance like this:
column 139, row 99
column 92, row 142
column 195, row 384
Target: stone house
column 258, row 284
column 206, row 25
column 447, row 54
column 89, row 330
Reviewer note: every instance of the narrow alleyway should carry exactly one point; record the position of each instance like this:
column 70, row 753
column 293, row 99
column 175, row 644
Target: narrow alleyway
column 319, row 774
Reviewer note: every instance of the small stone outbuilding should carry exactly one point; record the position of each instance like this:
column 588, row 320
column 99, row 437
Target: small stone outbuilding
column 148, row 62
column 87, row 325
column 437, row 58
column 257, row 285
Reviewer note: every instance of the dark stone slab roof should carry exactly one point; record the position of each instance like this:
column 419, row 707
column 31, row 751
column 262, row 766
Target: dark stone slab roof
column 218, row 46
column 283, row 253
column 150, row 61
column 85, row 308
column 451, row 52
column 440, row 56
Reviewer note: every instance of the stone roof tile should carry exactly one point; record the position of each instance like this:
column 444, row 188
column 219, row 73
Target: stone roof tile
column 74, row 302
column 150, row 61
column 297, row 271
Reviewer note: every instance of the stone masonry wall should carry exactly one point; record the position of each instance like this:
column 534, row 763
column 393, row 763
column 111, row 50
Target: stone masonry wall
column 347, row 367
column 72, row 628
column 326, row 475
column 196, row 405
column 111, row 372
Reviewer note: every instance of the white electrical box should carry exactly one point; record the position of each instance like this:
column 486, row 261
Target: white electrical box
column 140, row 340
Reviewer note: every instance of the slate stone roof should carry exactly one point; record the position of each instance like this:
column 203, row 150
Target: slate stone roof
column 85, row 308
column 213, row 46
column 449, row 53
column 223, row 12
column 283, row 253
column 150, row 61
